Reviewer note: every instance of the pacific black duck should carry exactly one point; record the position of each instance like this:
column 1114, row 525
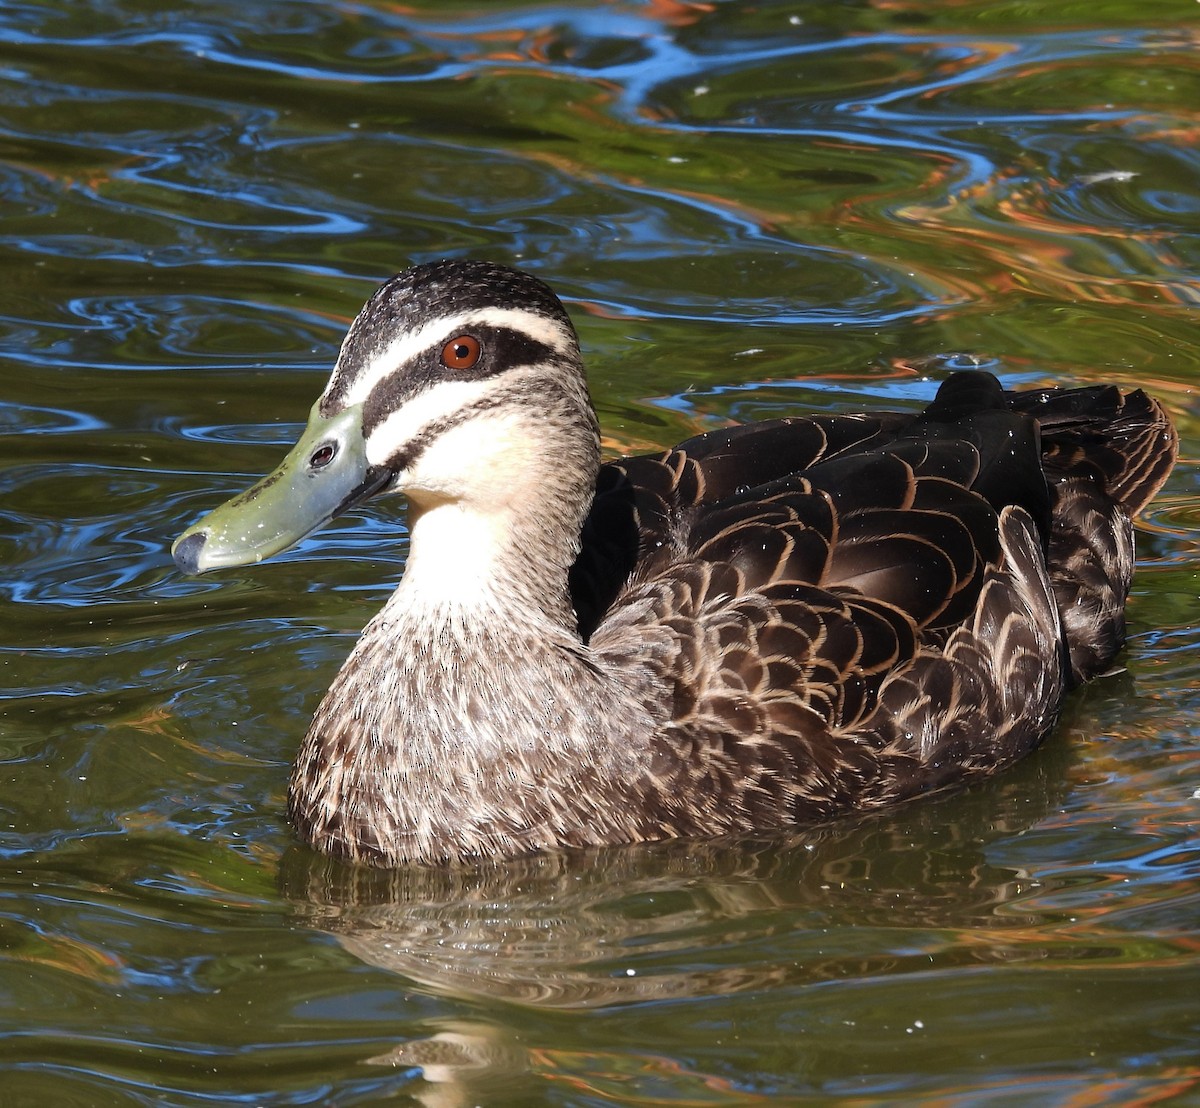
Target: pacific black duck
column 769, row 625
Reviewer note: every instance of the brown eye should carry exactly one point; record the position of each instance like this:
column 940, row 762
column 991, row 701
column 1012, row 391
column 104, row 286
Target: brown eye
column 461, row 353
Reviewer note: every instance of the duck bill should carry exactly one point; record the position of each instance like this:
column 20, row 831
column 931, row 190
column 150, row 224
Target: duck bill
column 325, row 473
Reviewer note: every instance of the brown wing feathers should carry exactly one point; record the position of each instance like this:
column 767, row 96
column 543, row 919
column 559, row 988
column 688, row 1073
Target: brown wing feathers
column 848, row 610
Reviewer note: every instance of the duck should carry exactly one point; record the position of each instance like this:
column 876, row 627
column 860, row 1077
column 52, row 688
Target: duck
column 767, row 627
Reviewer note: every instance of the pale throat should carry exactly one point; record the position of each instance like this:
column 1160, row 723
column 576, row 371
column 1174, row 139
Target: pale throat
column 494, row 563
column 458, row 555
column 495, row 527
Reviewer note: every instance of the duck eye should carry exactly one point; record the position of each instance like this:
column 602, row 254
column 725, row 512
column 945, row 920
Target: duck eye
column 461, row 353
column 322, row 456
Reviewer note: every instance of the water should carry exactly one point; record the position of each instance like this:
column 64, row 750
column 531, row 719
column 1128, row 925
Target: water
column 751, row 210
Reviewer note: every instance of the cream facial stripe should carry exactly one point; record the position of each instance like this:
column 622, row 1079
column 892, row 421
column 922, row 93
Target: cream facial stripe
column 549, row 332
column 441, row 403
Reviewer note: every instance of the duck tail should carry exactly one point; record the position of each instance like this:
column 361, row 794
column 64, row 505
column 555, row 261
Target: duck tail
column 1105, row 455
column 1126, row 440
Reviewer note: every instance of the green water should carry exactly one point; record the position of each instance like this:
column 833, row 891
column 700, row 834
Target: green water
column 751, row 209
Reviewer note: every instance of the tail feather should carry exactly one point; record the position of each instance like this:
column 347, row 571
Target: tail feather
column 1105, row 455
column 1127, row 440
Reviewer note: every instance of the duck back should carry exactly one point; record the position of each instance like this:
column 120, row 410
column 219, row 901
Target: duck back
column 863, row 608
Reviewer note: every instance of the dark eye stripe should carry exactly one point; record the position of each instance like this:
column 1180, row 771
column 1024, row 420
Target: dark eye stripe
column 501, row 349
column 539, row 395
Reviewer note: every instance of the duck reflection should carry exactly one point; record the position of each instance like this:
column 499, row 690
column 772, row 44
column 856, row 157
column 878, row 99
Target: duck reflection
column 669, row 921
column 597, row 928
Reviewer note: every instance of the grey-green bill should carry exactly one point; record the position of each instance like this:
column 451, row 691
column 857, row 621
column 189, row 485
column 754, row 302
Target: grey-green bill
column 325, row 473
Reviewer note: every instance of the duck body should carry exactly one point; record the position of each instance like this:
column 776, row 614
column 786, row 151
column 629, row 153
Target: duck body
column 767, row 626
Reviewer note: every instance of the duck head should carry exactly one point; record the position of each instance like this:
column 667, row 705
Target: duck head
column 452, row 375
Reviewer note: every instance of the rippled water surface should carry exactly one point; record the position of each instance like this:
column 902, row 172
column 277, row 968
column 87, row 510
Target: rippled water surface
column 751, row 209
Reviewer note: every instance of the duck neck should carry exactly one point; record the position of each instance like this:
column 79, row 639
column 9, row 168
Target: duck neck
column 467, row 565
column 503, row 559
column 499, row 536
